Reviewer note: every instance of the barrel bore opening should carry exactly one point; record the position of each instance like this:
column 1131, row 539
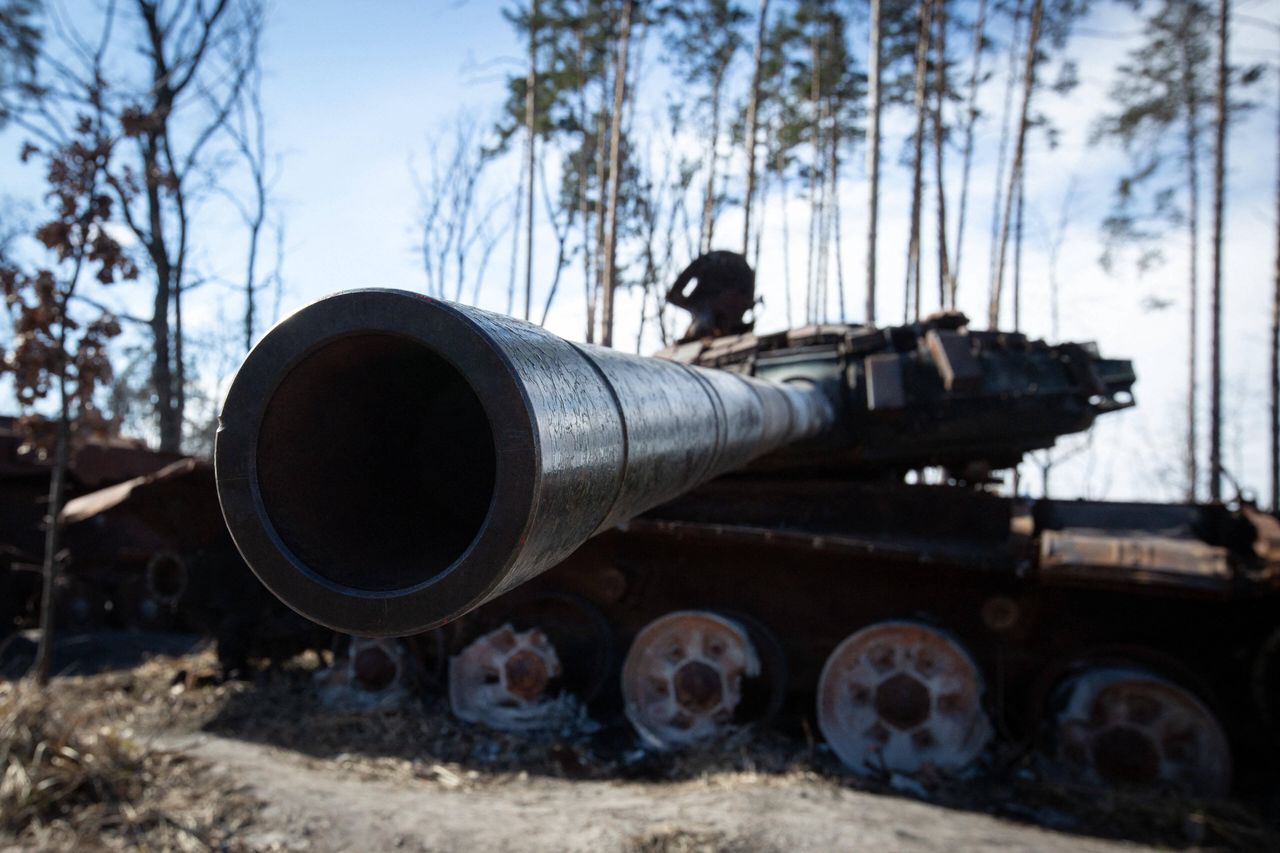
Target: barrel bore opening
column 376, row 462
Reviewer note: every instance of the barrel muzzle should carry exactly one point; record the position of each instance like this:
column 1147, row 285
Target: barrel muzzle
column 387, row 462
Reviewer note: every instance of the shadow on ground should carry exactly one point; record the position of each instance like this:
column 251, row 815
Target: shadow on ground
column 92, row 653
column 281, row 709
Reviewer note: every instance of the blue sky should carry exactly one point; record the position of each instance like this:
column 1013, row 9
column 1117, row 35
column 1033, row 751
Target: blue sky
column 355, row 90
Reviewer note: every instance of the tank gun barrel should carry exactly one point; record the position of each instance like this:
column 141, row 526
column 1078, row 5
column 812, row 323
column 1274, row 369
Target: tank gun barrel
column 387, row 462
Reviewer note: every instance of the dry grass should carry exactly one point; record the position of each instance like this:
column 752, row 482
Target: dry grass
column 71, row 780
column 1155, row 817
column 667, row 839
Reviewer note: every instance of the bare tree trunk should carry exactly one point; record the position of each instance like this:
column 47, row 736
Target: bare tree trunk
column 179, row 333
column 1275, row 351
column 615, row 169
column 53, row 536
column 515, row 248
column 255, row 230
column 826, row 188
column 598, row 255
column 254, row 151
column 530, row 122
column 1006, row 115
column 174, row 55
column 835, row 219
column 179, row 365
column 786, row 235
column 562, row 235
column 1193, row 295
column 1215, row 303
column 946, row 287
column 587, row 145
column 760, row 220
column 815, row 170
column 276, row 279
column 1015, row 173
column 1017, row 256
column 917, row 161
column 709, row 197
column 753, row 107
column 158, row 254
column 873, row 156
column 971, row 120
column 587, row 253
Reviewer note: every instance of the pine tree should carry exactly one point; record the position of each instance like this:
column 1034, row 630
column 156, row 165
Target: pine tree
column 946, row 285
column 1275, row 349
column 531, row 153
column 751, row 132
column 609, row 278
column 1019, row 153
column 703, row 39
column 1215, row 291
column 821, row 100
column 970, row 125
column 875, row 51
column 1161, row 92
column 911, row 297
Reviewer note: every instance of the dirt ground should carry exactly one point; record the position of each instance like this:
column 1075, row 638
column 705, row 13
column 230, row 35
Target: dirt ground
column 263, row 766
column 332, row 805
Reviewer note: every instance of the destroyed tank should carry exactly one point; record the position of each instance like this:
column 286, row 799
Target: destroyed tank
column 100, row 463
column 725, row 534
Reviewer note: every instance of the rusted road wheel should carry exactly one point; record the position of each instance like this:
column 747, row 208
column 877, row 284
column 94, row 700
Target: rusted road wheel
column 1127, row 726
column 371, row 664
column 900, row 696
column 502, row 680
column 581, row 635
column 682, row 678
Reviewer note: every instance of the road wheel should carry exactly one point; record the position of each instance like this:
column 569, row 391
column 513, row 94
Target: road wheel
column 902, row 697
column 1126, row 726
column 682, row 680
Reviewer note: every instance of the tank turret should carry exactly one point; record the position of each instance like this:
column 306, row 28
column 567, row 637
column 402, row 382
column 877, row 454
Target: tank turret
column 932, row 393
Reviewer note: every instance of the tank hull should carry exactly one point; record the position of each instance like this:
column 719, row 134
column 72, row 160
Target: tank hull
column 812, row 562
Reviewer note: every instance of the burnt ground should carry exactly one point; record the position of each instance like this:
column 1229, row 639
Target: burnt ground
column 262, row 765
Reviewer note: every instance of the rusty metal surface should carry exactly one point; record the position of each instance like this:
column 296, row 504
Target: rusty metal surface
column 1266, row 543
column 583, row 639
column 885, row 388
column 934, row 392
column 501, row 680
column 367, row 672
column 1124, row 726
column 950, row 351
column 100, row 462
column 103, row 500
column 1096, row 557
column 154, row 553
column 24, row 484
column 683, row 677
column 902, row 697
column 539, row 444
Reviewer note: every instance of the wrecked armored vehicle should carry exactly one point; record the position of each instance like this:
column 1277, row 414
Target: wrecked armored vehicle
column 152, row 553
column 24, row 494
column 725, row 532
